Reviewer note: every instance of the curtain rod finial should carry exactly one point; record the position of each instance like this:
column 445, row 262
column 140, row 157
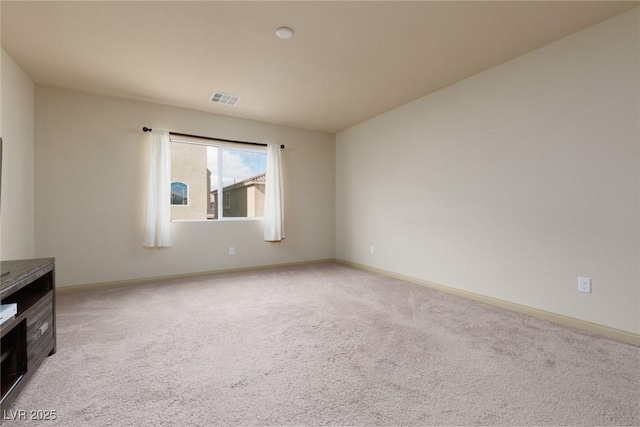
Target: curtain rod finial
column 146, row 129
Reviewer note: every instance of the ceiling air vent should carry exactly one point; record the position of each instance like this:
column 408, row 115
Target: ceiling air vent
column 225, row 98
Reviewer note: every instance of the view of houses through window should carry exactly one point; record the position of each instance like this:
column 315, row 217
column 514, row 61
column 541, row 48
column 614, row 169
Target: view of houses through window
column 200, row 172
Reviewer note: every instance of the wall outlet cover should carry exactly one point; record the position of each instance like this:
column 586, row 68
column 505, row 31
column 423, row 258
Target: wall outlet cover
column 584, row 284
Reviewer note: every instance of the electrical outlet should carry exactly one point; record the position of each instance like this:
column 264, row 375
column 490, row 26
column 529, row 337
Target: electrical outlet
column 584, row 284
column 372, row 250
column 232, row 250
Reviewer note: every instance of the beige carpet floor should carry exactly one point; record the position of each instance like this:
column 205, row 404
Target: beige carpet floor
column 320, row 344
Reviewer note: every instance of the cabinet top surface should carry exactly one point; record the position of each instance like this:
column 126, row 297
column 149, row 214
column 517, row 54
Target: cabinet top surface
column 16, row 270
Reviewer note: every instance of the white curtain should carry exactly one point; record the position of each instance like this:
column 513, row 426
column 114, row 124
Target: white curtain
column 157, row 227
column 273, row 198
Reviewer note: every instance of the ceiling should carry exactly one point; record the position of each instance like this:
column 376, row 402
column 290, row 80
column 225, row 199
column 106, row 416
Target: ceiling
column 347, row 61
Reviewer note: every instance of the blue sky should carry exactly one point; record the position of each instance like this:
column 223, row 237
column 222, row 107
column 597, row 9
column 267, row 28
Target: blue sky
column 237, row 165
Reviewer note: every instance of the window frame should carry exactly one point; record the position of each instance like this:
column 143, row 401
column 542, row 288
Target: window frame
column 219, row 145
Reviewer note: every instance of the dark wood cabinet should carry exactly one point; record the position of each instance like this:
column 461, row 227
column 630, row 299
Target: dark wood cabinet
column 30, row 336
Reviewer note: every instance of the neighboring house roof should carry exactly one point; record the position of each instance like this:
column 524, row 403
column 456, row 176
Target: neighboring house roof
column 262, row 177
column 254, row 180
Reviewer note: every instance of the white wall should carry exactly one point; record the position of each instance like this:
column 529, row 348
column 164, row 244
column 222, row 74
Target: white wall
column 512, row 183
column 17, row 120
column 91, row 163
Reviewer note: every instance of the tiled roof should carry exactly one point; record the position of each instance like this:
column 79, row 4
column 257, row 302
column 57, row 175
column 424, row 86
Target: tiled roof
column 262, row 178
column 258, row 178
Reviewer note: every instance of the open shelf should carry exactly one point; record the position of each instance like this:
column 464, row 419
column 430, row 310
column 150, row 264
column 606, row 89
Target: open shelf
column 31, row 294
column 13, row 363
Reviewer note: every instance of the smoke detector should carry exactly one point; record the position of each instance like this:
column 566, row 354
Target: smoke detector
column 224, row 98
column 284, row 32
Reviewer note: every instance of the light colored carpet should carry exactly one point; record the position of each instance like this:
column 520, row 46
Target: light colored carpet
column 321, row 344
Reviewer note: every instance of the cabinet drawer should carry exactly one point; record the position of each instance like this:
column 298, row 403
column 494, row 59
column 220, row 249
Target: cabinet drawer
column 39, row 326
column 38, row 312
column 39, row 349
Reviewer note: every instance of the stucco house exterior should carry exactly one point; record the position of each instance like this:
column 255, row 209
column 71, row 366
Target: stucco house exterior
column 241, row 199
column 190, row 181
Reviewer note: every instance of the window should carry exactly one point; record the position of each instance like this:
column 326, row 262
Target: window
column 179, row 193
column 207, row 170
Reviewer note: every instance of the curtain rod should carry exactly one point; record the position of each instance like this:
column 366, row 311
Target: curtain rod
column 146, row 129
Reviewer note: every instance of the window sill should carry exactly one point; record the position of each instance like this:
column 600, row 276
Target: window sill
column 254, row 218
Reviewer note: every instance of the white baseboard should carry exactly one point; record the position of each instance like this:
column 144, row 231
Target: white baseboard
column 131, row 282
column 617, row 334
